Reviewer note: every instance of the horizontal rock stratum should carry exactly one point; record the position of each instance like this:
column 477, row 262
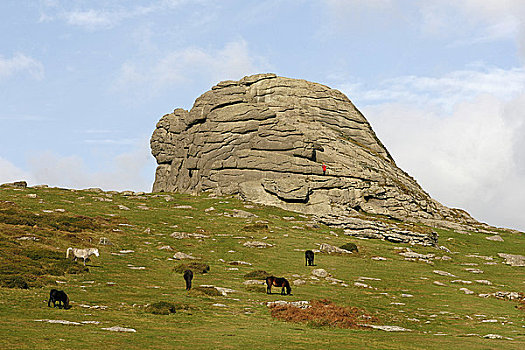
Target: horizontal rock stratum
column 266, row 138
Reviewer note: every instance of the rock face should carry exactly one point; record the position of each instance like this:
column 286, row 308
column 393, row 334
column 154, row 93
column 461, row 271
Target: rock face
column 266, row 138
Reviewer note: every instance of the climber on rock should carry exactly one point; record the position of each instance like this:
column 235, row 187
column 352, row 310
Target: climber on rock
column 324, row 169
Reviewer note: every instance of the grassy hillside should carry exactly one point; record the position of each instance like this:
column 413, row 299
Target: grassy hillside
column 118, row 288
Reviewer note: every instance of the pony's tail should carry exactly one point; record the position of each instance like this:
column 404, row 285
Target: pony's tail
column 67, row 302
column 67, row 252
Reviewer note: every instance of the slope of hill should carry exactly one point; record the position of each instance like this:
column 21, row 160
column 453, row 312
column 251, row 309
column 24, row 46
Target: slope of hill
column 440, row 298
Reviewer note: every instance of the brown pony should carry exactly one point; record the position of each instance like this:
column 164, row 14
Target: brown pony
column 277, row 282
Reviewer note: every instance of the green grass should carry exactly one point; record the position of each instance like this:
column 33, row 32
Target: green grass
column 120, row 288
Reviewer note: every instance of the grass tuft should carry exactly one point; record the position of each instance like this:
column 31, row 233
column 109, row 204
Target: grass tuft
column 162, row 308
column 196, row 267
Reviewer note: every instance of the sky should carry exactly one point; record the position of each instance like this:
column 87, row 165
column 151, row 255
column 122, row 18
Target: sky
column 442, row 82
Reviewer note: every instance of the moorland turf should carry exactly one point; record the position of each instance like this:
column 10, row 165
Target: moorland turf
column 134, row 284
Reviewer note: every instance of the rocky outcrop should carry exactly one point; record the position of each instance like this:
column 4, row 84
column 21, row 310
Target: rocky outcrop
column 266, row 138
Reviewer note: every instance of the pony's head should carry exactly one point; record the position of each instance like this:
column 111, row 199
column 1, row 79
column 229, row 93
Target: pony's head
column 95, row 251
column 66, row 303
column 67, row 252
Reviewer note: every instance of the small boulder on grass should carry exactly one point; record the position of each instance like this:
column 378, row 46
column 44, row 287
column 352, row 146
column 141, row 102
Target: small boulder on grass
column 161, row 308
column 210, row 291
column 352, row 247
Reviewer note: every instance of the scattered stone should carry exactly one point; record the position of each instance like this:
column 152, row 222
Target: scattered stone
column 16, row 184
column 466, row 290
column 165, row 247
column 298, row 282
column 495, row 238
column 183, row 235
column 488, row 283
column 474, row 270
column 322, row 273
column 387, row 328
column 239, row 262
column 122, row 207
column 137, row 267
column 361, row 278
column 379, row 258
column 209, row 209
column 437, row 283
column 461, row 281
column 183, row 207
column 119, row 329
column 181, row 256
column 443, row 273
column 301, row 304
column 513, row 259
column 69, row 323
column 407, row 295
column 397, row 304
column 493, row 336
column 126, row 251
column 219, row 305
column 257, row 244
column 238, row 213
column 508, row 295
column 31, row 195
column 361, row 285
column 253, row 282
column 409, row 254
column 28, row 238
column 104, row 241
column 327, row 248
column 222, row 290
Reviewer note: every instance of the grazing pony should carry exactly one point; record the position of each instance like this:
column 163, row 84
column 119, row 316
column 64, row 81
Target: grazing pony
column 59, row 297
column 188, row 276
column 277, row 282
column 82, row 253
column 309, row 256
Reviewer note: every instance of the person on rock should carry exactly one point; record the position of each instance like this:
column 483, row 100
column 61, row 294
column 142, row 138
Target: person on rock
column 324, row 169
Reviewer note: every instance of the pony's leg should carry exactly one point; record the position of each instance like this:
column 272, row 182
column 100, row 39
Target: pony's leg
column 282, row 290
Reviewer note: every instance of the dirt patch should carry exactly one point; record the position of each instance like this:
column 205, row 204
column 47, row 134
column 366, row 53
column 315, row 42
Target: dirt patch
column 323, row 313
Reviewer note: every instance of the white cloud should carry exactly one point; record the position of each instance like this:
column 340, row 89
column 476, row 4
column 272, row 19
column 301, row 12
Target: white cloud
column 464, row 22
column 445, row 91
column 10, row 172
column 19, row 64
column 132, row 170
column 105, row 17
column 233, row 61
column 468, row 152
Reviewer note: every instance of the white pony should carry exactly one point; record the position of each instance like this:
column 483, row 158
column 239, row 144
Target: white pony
column 82, row 253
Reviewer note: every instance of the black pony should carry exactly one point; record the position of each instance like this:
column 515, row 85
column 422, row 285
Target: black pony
column 188, row 276
column 309, row 256
column 277, row 282
column 59, row 297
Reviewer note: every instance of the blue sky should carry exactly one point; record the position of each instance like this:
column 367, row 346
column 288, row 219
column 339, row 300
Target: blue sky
column 83, row 83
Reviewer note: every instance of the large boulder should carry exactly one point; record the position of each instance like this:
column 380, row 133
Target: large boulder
column 266, row 138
